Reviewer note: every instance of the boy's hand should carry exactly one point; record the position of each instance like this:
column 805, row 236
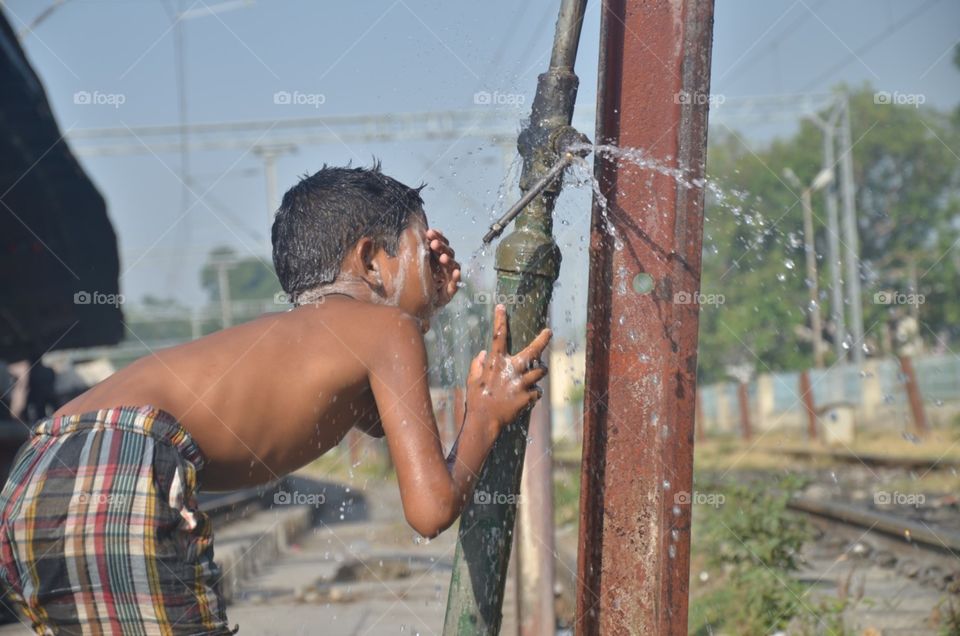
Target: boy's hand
column 500, row 386
column 446, row 271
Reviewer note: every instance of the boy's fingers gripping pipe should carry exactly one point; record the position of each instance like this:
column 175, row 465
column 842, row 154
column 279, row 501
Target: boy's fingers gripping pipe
column 530, row 356
column 500, row 328
column 534, row 375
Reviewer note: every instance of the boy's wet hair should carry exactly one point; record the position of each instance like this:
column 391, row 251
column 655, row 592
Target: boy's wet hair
column 326, row 213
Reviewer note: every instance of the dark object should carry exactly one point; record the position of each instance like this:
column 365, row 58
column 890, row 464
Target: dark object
column 58, row 252
column 41, row 394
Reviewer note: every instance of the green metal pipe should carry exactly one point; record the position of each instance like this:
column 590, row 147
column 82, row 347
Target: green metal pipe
column 528, row 263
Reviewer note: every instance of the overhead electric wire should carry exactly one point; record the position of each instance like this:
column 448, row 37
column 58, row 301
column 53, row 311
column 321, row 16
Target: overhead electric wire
column 872, row 42
column 756, row 55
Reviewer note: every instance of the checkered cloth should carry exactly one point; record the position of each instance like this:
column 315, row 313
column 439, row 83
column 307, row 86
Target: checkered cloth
column 100, row 532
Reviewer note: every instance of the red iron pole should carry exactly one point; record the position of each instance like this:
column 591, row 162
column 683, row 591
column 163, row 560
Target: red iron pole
column 743, row 398
column 653, row 93
column 806, row 394
column 913, row 395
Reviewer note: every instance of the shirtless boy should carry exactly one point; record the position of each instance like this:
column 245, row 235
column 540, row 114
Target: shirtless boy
column 100, row 530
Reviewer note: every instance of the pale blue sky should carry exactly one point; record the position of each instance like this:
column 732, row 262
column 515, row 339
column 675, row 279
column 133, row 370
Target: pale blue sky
column 386, row 56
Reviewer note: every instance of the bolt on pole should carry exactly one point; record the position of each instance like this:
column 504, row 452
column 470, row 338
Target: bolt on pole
column 637, row 469
column 527, row 262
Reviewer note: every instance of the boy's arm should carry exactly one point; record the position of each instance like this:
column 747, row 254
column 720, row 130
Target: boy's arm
column 433, row 490
column 433, row 494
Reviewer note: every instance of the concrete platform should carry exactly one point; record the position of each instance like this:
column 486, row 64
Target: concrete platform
column 368, row 577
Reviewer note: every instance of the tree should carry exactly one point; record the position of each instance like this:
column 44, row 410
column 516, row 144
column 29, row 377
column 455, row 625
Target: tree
column 249, row 278
column 906, row 177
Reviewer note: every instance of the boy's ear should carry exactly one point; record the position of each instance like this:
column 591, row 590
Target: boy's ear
column 364, row 256
column 363, row 253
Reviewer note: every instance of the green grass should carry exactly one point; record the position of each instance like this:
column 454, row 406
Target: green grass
column 566, row 497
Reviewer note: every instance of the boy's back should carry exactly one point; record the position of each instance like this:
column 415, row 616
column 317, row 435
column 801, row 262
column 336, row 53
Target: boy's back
column 265, row 397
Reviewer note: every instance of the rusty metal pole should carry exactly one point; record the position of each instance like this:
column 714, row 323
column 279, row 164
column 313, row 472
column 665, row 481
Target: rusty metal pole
column 653, row 93
column 743, row 398
column 913, row 394
column 528, row 263
column 806, row 395
column 535, row 540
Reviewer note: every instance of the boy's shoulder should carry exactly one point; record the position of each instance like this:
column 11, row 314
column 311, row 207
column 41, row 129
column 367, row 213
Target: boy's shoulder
column 367, row 321
column 373, row 335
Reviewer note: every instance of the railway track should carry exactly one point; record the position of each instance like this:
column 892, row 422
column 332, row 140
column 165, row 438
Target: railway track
column 909, row 533
column 894, row 573
column 870, row 459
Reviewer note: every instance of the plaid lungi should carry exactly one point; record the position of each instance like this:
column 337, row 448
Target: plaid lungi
column 100, row 532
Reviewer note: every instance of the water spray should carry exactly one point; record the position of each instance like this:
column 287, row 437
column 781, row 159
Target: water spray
column 575, row 145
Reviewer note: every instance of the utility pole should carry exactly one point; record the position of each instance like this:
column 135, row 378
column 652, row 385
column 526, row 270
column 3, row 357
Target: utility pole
column 813, row 284
column 824, row 178
column 196, row 330
column 828, row 127
column 850, row 235
column 269, row 154
column 223, row 290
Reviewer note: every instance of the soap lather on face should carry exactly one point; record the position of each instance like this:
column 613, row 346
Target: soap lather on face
column 414, row 277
